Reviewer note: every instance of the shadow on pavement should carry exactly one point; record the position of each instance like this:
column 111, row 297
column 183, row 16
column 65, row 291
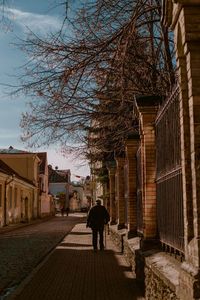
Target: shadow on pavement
column 81, row 275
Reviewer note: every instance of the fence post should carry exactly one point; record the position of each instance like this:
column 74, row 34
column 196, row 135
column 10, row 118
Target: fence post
column 131, row 146
column 147, row 108
column 120, row 192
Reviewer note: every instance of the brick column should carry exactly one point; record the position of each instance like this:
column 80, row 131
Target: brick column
column 120, row 192
column 185, row 151
column 131, row 149
column 191, row 42
column 147, row 108
column 184, row 18
column 111, row 170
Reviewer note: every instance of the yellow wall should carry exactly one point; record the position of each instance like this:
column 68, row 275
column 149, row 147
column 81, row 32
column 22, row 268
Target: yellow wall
column 2, row 185
column 21, row 200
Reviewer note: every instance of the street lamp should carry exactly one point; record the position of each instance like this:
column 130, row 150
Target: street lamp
column 8, row 181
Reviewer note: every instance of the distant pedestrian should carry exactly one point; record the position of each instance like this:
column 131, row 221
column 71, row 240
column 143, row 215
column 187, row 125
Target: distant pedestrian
column 67, row 211
column 62, row 209
column 98, row 216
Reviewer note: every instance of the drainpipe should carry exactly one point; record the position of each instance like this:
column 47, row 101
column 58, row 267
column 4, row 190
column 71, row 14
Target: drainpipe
column 8, row 181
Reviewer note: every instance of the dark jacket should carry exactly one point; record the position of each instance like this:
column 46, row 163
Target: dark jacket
column 97, row 217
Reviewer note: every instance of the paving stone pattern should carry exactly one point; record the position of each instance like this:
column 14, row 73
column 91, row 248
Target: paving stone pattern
column 23, row 248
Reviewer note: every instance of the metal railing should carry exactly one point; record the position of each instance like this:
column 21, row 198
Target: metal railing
column 169, row 175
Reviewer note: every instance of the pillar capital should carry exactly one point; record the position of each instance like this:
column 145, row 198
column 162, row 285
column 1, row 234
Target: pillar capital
column 167, row 12
column 147, row 107
column 148, row 102
column 171, row 10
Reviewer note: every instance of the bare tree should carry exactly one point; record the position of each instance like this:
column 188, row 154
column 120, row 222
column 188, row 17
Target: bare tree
column 5, row 22
column 116, row 49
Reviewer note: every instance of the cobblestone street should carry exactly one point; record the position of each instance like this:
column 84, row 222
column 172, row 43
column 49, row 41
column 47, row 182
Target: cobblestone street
column 22, row 249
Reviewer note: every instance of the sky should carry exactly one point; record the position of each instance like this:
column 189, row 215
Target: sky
column 40, row 17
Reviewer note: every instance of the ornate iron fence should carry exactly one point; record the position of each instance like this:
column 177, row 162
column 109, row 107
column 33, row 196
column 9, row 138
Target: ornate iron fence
column 169, row 175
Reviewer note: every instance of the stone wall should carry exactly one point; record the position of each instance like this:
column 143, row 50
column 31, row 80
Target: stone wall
column 156, row 272
column 131, row 247
column 161, row 277
column 117, row 236
column 155, row 288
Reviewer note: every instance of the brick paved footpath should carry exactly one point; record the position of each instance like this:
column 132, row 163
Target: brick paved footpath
column 74, row 272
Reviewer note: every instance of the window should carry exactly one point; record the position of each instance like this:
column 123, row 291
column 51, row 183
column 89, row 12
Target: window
column 10, row 196
column 0, row 195
column 15, row 198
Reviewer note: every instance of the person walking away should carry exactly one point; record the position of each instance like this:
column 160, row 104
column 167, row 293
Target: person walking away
column 98, row 216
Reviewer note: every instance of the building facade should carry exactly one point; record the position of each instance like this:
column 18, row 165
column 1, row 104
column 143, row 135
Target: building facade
column 24, row 186
column 18, row 197
column 25, row 164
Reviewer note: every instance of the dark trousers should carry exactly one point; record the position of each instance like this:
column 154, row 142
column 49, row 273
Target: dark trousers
column 95, row 233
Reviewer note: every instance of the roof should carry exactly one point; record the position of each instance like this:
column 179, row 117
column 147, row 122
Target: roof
column 58, row 175
column 4, row 168
column 41, row 155
column 12, row 150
